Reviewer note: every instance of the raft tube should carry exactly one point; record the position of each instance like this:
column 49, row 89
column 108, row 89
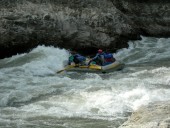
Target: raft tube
column 96, row 68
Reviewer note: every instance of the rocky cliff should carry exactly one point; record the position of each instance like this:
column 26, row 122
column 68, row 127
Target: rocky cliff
column 79, row 24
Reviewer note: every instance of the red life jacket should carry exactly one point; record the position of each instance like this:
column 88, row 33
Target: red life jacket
column 109, row 59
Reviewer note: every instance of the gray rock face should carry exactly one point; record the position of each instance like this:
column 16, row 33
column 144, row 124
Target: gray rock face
column 150, row 16
column 79, row 24
column 155, row 115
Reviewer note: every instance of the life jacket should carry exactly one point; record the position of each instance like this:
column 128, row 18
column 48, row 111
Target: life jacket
column 101, row 57
column 109, row 57
column 79, row 57
column 71, row 58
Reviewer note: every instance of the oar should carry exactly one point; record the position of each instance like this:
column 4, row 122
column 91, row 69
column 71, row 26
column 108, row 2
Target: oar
column 68, row 67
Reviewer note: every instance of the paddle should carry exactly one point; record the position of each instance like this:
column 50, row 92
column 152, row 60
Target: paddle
column 68, row 67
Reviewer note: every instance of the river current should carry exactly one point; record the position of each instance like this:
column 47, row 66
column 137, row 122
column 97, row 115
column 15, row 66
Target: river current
column 33, row 95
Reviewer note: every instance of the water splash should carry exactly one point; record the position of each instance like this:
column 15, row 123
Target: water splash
column 29, row 83
column 147, row 50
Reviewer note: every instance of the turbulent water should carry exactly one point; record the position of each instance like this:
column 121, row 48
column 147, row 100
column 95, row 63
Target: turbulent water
column 33, row 95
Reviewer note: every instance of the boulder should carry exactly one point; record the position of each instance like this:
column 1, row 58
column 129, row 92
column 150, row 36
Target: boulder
column 155, row 115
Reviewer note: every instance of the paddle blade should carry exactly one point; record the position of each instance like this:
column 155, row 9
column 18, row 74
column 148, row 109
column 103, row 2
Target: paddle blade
column 60, row 71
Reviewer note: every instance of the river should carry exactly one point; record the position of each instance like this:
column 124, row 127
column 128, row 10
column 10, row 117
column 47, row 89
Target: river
column 33, row 95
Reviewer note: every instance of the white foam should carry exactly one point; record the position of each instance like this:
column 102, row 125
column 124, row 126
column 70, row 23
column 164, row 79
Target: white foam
column 145, row 50
column 51, row 62
column 42, row 61
column 91, row 96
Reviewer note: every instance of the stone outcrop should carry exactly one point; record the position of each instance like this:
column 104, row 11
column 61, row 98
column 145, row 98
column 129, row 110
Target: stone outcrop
column 79, row 24
column 150, row 16
column 155, row 115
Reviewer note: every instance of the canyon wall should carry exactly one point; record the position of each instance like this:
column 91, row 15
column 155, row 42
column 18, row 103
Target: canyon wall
column 81, row 25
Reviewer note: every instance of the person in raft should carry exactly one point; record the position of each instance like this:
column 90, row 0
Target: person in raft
column 98, row 59
column 77, row 59
column 102, row 58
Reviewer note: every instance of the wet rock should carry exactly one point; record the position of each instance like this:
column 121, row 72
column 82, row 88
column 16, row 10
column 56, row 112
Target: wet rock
column 155, row 115
column 79, row 25
column 151, row 17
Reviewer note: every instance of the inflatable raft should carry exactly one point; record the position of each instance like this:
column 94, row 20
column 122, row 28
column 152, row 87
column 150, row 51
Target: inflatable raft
column 96, row 68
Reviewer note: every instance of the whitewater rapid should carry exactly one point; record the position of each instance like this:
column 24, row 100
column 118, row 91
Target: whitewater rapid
column 32, row 94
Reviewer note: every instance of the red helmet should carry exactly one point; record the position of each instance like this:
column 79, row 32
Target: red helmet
column 100, row 51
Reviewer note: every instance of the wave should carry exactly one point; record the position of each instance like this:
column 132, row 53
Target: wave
column 146, row 50
column 40, row 61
